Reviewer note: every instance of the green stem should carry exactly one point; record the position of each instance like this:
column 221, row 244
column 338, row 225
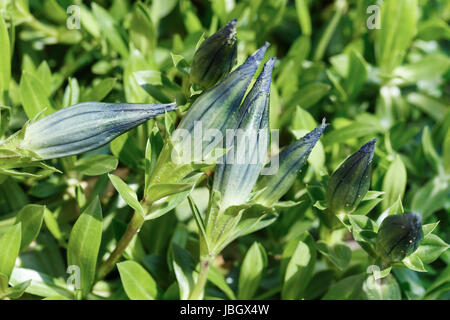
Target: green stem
column 328, row 33
column 199, row 288
column 133, row 227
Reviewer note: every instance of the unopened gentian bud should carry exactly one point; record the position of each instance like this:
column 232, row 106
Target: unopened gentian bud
column 236, row 176
column 350, row 182
column 398, row 236
column 213, row 112
column 291, row 160
column 85, row 126
column 215, row 57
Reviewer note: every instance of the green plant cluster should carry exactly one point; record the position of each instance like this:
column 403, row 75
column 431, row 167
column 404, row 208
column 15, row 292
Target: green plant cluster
column 94, row 206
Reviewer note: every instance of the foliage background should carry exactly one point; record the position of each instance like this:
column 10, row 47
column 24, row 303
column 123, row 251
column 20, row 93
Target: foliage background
column 389, row 83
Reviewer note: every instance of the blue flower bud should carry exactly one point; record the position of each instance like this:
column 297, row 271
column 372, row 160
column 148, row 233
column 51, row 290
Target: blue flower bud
column 215, row 110
column 399, row 236
column 86, row 126
column 291, row 160
column 215, row 57
column 236, row 176
column 350, row 182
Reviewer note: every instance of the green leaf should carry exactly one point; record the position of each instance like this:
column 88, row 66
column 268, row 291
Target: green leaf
column 446, row 152
column 394, row 182
column 299, row 270
column 349, row 288
column 339, row 254
column 9, row 247
column 434, row 108
column 428, row 228
column 252, row 271
column 137, row 282
column 142, row 30
column 413, row 262
column 30, row 217
column 352, row 131
column 127, row 193
column 431, row 248
column 5, row 63
column 52, row 224
column 110, row 30
column 386, row 288
column 99, row 91
column 357, row 74
column 41, row 285
column 398, row 26
column 184, row 271
column 303, row 16
column 219, row 281
column 16, row 291
column 34, row 97
column 427, row 68
column 96, row 165
column 430, row 197
column 180, row 63
column 309, row 95
column 84, row 244
column 428, row 149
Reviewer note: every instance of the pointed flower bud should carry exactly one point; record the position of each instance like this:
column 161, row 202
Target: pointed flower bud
column 85, row 126
column 399, row 236
column 350, row 182
column 291, row 160
column 236, row 176
column 215, row 111
column 215, row 57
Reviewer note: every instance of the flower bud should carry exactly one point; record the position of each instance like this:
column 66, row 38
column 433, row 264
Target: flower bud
column 291, row 160
column 399, row 236
column 236, row 176
column 350, row 182
column 215, row 57
column 215, row 111
column 86, row 126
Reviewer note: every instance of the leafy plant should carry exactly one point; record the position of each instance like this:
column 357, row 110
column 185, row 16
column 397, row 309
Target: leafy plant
column 224, row 150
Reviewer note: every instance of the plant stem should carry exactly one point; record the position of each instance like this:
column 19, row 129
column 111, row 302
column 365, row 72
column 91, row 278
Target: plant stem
column 133, row 227
column 199, row 288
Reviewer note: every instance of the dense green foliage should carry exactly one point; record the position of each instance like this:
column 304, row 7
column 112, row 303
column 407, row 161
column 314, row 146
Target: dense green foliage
column 372, row 70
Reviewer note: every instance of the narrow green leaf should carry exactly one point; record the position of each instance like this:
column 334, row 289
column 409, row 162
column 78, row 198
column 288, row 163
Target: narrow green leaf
column 219, row 281
column 299, row 270
column 349, row 288
column 127, row 193
column 34, row 97
column 9, row 248
column 386, row 288
column 339, row 254
column 30, row 217
column 99, row 91
column 137, row 282
column 184, row 271
column 41, row 285
column 394, row 182
column 16, row 291
column 398, row 26
column 431, row 248
column 303, row 16
column 84, row 244
column 97, row 165
column 110, row 30
column 252, row 271
column 5, row 63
